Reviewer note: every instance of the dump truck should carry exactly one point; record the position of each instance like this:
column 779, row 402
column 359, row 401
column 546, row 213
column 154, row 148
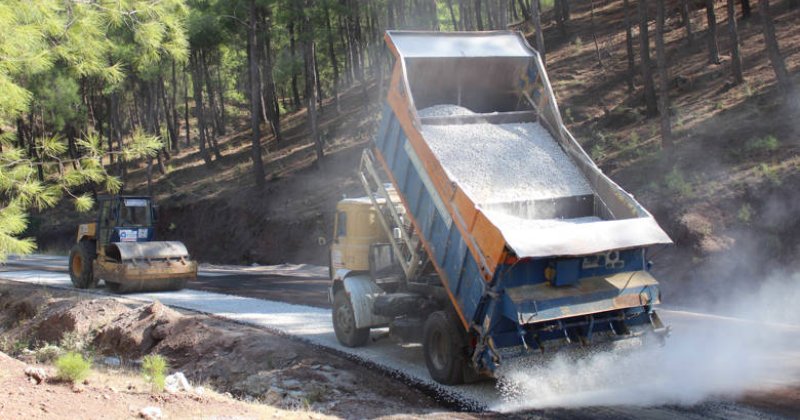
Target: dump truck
column 119, row 248
column 486, row 233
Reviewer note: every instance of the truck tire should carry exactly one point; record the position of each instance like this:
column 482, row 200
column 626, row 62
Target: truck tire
column 81, row 258
column 344, row 322
column 444, row 345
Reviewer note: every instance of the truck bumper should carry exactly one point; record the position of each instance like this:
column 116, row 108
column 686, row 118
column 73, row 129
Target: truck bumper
column 594, row 312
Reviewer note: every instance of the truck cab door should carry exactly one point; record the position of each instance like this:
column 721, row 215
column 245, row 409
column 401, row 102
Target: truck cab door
column 338, row 246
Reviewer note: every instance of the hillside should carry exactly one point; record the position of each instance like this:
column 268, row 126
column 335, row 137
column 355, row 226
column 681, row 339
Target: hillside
column 727, row 193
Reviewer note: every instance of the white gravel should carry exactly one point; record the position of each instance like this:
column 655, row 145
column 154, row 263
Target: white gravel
column 444, row 111
column 536, row 224
column 497, row 163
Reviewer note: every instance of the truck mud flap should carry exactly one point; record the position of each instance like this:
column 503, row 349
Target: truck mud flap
column 362, row 292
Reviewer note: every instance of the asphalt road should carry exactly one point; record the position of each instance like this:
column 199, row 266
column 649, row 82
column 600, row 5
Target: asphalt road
column 296, row 284
column 712, row 367
column 299, row 291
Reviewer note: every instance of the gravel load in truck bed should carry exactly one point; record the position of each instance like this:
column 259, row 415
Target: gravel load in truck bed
column 444, row 111
column 503, row 162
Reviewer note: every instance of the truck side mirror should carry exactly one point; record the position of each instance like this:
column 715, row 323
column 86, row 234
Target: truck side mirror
column 154, row 211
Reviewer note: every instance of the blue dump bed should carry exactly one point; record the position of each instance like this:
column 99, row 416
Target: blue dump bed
column 535, row 267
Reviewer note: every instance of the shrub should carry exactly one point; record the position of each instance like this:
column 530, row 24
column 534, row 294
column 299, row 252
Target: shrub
column 771, row 173
column 48, row 353
column 154, row 369
column 72, row 367
column 72, row 341
column 677, row 184
column 598, row 152
column 745, row 213
column 762, row 144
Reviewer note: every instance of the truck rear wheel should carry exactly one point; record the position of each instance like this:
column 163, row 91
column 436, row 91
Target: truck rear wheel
column 444, row 345
column 344, row 322
column 81, row 258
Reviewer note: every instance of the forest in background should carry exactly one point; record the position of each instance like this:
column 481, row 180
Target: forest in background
column 96, row 89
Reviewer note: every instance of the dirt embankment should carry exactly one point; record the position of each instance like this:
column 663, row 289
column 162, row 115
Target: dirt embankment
column 113, row 394
column 248, row 363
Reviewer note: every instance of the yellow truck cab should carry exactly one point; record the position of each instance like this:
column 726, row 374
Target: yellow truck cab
column 355, row 229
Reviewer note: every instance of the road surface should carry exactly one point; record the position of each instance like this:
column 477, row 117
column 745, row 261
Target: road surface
column 711, row 367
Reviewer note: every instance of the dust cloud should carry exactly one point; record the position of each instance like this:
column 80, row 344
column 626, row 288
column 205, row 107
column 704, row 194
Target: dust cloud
column 752, row 345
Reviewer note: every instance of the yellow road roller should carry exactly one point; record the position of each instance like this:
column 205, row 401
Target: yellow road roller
column 119, row 248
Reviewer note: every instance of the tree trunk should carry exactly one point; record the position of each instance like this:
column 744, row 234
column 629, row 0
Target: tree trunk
column 272, row 111
column 255, row 95
column 357, row 46
column 293, row 49
column 773, row 51
column 173, row 134
column 746, row 10
column 186, row 105
column 452, row 15
column 332, row 57
column 221, row 92
column 401, row 15
column 463, row 15
column 72, row 148
column 219, row 127
column 175, row 123
column 117, row 133
column 109, row 135
column 318, row 83
column 308, row 56
column 736, row 59
column 33, row 151
column 594, row 34
column 536, row 17
column 713, row 50
column 629, row 46
column 153, row 95
column 524, row 9
column 561, row 15
column 686, row 11
column 478, row 17
column 489, row 17
column 348, row 57
column 644, row 52
column 663, row 77
column 197, row 87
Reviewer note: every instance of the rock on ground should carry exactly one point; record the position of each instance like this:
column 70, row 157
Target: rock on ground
column 78, row 317
column 36, row 374
column 151, row 413
column 134, row 333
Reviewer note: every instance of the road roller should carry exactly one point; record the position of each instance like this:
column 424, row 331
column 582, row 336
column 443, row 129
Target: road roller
column 120, row 249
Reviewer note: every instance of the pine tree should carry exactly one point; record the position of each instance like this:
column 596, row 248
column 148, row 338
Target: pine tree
column 55, row 55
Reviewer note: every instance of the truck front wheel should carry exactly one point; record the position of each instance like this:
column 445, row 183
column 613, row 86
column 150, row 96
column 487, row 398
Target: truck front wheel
column 81, row 258
column 344, row 322
column 444, row 345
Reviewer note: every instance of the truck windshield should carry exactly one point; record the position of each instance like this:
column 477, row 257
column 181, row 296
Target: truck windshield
column 135, row 212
